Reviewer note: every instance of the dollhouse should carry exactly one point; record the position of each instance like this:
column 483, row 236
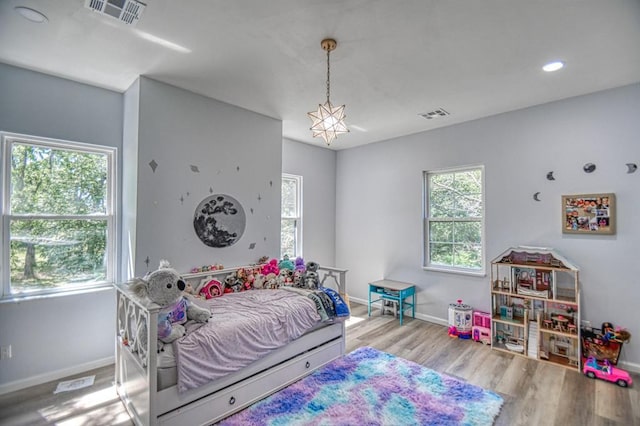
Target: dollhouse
column 536, row 313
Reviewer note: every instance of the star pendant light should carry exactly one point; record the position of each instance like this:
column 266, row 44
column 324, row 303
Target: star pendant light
column 328, row 120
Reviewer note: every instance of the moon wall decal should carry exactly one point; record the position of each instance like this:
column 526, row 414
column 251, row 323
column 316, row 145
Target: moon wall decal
column 219, row 220
column 550, row 176
column 632, row 167
column 536, row 196
column 589, row 167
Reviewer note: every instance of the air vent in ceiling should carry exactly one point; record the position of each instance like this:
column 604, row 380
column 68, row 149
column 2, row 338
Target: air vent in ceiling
column 440, row 112
column 126, row 11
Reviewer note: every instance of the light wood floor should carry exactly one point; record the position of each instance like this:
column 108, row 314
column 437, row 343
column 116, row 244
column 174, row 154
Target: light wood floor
column 534, row 393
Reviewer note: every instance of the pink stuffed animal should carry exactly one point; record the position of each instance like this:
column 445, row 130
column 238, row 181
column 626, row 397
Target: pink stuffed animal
column 271, row 268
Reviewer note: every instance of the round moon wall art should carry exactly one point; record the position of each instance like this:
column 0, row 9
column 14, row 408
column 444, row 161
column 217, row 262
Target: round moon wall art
column 219, row 220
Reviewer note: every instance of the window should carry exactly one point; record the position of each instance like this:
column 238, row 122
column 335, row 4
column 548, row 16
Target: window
column 454, row 220
column 58, row 220
column 291, row 217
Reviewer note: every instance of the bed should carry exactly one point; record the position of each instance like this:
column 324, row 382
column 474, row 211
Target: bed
column 148, row 380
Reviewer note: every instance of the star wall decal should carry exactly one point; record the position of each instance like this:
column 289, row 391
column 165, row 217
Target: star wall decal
column 328, row 122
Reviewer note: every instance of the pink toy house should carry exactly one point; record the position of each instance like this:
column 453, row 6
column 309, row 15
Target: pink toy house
column 481, row 329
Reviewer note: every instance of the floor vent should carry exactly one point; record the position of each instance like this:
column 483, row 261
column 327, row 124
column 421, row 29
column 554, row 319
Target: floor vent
column 126, row 11
column 440, row 112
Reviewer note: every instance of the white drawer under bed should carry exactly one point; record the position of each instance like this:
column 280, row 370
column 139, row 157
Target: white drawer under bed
column 234, row 398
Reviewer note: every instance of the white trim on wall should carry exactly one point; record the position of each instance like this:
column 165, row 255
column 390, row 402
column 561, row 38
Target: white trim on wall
column 51, row 376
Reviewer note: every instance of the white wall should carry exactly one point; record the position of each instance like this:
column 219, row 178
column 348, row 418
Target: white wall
column 317, row 166
column 59, row 333
column 379, row 201
column 129, row 187
column 236, row 152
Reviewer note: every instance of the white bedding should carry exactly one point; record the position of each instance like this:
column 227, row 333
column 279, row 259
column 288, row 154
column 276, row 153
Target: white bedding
column 243, row 328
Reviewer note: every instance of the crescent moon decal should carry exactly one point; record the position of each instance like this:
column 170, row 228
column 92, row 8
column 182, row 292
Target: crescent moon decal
column 536, row 196
column 550, row 176
column 632, row 167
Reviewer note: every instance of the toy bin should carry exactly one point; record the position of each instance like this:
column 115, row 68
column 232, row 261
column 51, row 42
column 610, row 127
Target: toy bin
column 597, row 345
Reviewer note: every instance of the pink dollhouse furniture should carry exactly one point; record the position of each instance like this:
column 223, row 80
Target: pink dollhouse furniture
column 481, row 329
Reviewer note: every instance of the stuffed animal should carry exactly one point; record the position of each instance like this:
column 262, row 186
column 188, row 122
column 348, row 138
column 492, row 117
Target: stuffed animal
column 311, row 277
column 232, row 284
column 271, row 281
column 249, row 280
column 165, row 287
column 241, row 274
column 188, row 289
column 212, row 288
column 285, row 277
column 271, row 267
column 299, row 264
column 298, row 280
column 259, row 282
column 285, row 263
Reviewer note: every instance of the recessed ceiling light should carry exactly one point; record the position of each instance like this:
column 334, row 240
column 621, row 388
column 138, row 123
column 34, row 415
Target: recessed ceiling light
column 31, row 14
column 553, row 66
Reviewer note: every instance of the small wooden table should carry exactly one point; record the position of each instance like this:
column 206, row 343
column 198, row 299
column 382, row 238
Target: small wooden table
column 396, row 291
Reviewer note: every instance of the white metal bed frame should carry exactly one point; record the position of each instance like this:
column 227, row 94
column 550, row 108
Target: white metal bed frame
column 136, row 366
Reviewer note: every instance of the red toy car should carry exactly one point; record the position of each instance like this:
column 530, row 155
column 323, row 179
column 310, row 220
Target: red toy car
column 606, row 371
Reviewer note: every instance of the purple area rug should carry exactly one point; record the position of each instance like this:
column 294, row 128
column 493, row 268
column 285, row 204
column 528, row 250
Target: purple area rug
column 369, row 387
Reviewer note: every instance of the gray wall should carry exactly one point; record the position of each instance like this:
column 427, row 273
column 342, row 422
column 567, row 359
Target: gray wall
column 235, row 151
column 379, row 202
column 317, row 166
column 57, row 334
column 377, row 225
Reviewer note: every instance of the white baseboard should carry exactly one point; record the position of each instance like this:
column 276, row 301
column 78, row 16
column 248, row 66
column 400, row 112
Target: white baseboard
column 629, row 366
column 54, row 375
column 435, row 320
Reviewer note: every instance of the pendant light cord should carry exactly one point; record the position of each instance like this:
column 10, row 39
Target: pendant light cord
column 328, row 75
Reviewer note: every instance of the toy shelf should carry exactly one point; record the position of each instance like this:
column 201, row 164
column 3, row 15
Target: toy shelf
column 517, row 321
column 535, row 306
column 570, row 299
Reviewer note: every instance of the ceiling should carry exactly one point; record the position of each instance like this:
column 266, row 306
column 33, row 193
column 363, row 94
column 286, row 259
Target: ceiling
column 394, row 60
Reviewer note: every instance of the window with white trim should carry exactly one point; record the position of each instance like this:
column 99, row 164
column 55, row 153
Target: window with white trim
column 58, row 215
column 454, row 220
column 291, row 216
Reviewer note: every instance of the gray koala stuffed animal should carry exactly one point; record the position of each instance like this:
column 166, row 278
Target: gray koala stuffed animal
column 164, row 287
